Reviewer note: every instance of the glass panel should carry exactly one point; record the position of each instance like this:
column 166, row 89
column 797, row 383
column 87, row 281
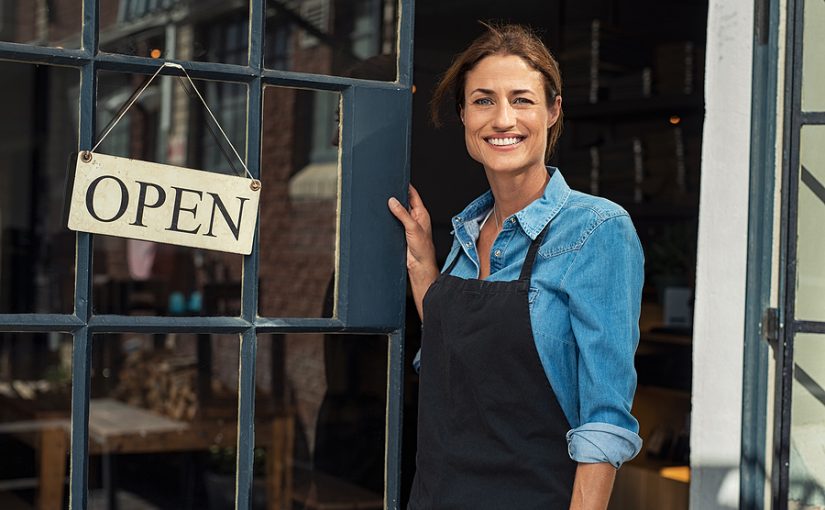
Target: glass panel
column 813, row 66
column 206, row 30
column 354, row 38
column 807, row 469
column 322, row 403
column 35, row 411
column 168, row 126
column 810, row 244
column 163, row 420
column 299, row 163
column 55, row 24
column 36, row 249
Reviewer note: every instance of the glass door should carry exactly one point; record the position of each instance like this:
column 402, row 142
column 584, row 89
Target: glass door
column 145, row 375
column 798, row 475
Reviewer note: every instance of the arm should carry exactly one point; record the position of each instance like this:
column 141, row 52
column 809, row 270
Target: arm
column 592, row 486
column 421, row 264
column 604, row 285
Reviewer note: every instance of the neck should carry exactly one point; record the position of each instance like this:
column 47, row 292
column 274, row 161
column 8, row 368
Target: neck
column 513, row 192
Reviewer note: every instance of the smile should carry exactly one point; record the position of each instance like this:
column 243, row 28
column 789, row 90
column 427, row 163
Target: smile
column 503, row 142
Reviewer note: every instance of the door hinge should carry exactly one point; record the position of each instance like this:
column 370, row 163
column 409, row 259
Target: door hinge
column 770, row 326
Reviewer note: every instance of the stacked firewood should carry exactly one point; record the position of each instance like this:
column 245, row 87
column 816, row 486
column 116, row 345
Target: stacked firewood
column 160, row 381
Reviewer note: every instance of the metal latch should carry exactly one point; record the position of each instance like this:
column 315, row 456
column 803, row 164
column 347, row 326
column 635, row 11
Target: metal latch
column 770, row 326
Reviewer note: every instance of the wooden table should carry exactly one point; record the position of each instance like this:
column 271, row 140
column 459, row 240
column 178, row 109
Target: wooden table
column 116, row 427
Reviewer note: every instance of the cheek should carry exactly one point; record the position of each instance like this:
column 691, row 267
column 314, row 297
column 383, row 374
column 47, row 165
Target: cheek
column 538, row 120
column 471, row 132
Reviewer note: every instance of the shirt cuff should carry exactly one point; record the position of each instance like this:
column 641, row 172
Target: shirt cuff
column 602, row 442
column 417, row 361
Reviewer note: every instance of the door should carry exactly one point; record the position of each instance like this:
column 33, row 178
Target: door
column 316, row 96
column 798, row 471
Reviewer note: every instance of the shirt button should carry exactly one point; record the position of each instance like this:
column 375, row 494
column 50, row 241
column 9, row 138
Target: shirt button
column 468, row 244
column 512, row 220
column 498, row 253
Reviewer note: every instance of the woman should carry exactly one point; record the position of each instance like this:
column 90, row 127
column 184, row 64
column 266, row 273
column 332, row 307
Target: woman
column 526, row 370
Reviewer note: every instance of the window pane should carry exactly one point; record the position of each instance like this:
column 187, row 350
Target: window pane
column 206, row 30
column 354, row 38
column 327, row 414
column 36, row 249
column 807, row 469
column 55, row 24
column 298, row 221
column 163, row 420
column 813, row 66
column 810, row 279
column 35, row 413
column 168, row 126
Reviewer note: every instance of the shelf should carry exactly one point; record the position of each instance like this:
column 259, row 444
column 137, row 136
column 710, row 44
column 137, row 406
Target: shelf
column 645, row 462
column 681, row 339
column 661, row 391
column 636, row 107
column 662, row 212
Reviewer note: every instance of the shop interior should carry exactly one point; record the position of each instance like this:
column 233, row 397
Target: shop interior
column 633, row 109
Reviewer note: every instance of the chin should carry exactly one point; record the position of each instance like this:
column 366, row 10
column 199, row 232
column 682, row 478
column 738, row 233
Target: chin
column 509, row 167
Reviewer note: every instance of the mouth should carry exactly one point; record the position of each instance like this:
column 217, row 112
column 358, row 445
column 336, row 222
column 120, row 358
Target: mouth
column 504, row 141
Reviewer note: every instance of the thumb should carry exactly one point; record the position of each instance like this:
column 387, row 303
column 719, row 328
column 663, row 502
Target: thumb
column 400, row 212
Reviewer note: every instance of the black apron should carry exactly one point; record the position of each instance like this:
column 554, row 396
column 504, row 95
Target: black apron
column 491, row 433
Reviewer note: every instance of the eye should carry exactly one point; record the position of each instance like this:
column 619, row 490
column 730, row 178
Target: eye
column 483, row 101
column 522, row 100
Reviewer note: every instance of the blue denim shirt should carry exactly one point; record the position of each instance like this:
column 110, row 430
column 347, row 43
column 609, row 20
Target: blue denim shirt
column 585, row 298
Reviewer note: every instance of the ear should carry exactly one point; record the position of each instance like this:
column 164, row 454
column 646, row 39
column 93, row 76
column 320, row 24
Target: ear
column 553, row 112
column 461, row 114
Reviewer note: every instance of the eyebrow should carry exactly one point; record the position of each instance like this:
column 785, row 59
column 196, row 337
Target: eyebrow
column 515, row 92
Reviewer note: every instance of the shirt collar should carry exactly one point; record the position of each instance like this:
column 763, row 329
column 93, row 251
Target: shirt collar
column 532, row 218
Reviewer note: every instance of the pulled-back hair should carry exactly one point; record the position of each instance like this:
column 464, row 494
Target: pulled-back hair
column 501, row 40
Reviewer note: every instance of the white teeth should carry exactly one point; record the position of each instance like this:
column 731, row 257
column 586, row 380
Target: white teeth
column 504, row 141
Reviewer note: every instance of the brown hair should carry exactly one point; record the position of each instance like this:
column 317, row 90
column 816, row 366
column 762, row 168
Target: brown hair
column 501, row 40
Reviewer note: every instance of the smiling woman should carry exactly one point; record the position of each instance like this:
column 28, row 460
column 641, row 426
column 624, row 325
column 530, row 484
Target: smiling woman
column 536, row 314
column 506, row 116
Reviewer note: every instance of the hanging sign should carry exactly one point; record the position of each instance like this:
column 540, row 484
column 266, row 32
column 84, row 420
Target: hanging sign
column 163, row 203
column 167, row 204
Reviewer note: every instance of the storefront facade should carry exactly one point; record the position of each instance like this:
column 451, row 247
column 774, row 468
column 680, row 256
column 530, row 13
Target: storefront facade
column 283, row 375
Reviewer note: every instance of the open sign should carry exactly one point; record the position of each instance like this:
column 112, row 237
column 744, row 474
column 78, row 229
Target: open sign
column 163, row 203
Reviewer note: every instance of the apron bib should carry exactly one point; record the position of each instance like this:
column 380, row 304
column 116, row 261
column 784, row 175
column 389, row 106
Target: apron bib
column 491, row 432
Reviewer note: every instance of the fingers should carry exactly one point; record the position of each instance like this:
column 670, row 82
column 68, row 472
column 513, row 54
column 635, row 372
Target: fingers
column 400, row 212
column 415, row 198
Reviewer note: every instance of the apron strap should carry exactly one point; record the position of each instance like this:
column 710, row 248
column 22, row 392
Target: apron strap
column 527, row 267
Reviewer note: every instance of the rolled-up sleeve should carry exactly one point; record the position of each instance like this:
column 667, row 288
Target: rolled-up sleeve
column 603, row 286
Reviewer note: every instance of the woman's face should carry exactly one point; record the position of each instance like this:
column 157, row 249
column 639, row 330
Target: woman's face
column 506, row 115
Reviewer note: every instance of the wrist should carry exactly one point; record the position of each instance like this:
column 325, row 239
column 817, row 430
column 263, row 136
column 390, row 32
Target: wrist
column 423, row 273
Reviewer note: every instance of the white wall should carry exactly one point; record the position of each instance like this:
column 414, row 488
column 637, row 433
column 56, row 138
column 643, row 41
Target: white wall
column 721, row 259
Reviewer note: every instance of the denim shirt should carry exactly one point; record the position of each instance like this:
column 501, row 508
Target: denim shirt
column 584, row 298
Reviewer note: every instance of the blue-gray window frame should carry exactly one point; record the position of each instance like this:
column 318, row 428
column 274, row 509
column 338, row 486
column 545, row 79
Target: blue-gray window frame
column 371, row 275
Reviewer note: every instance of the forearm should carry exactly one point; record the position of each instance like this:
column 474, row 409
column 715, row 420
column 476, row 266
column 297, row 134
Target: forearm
column 592, row 486
column 421, row 278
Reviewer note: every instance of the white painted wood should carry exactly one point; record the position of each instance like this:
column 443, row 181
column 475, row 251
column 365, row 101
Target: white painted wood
column 167, row 204
column 719, row 313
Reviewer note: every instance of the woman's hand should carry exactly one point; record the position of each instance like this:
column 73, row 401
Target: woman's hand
column 421, row 264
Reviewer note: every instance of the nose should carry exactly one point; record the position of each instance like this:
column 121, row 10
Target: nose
column 505, row 116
